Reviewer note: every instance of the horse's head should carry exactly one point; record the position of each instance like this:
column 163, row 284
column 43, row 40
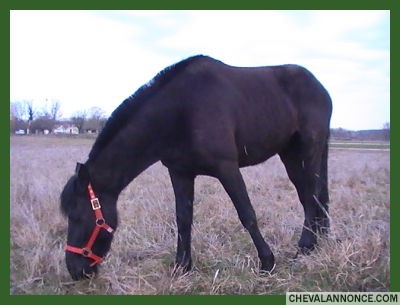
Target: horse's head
column 92, row 218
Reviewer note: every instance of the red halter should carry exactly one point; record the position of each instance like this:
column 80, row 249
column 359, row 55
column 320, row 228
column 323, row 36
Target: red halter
column 86, row 251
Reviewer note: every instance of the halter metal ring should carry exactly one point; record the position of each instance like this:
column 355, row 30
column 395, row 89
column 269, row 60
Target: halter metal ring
column 100, row 221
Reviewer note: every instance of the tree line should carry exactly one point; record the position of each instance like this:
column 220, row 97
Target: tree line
column 382, row 134
column 24, row 116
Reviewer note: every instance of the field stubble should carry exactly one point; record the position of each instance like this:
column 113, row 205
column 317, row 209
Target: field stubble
column 355, row 256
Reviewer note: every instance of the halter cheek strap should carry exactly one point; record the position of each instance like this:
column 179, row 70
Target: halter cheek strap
column 86, row 251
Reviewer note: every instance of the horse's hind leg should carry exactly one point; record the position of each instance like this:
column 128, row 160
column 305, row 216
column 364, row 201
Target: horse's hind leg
column 302, row 161
column 232, row 181
column 183, row 186
column 323, row 196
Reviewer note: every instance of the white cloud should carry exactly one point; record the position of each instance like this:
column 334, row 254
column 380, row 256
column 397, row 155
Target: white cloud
column 78, row 57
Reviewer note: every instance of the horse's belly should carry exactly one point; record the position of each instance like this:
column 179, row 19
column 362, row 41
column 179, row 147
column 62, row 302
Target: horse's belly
column 252, row 155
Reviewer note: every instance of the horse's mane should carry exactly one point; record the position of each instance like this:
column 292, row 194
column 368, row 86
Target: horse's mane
column 124, row 112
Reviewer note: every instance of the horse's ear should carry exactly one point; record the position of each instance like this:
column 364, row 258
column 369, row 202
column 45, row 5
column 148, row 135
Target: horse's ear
column 78, row 167
column 82, row 172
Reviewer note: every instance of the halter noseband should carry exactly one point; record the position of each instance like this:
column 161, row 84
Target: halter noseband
column 86, row 251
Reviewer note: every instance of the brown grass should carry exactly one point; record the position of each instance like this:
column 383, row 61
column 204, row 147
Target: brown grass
column 355, row 256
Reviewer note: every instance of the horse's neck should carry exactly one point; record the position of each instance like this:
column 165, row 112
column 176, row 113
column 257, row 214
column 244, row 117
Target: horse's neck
column 122, row 160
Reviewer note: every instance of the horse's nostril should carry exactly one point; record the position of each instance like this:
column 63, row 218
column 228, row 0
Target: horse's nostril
column 83, row 274
column 89, row 272
column 79, row 268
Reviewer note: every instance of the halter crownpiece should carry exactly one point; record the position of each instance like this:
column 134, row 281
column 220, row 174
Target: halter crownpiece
column 86, row 251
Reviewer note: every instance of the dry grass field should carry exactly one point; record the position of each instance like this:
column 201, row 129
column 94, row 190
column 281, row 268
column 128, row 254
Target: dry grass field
column 355, row 256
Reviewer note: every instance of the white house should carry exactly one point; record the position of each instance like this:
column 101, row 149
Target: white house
column 66, row 129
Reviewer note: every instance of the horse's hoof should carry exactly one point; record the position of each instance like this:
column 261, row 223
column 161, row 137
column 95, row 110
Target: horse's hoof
column 181, row 270
column 306, row 250
column 264, row 272
column 268, row 264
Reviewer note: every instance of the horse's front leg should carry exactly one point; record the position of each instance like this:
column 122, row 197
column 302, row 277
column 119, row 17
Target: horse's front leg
column 183, row 185
column 232, row 180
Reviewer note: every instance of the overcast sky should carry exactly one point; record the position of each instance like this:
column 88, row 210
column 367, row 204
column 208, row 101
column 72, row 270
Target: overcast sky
column 98, row 58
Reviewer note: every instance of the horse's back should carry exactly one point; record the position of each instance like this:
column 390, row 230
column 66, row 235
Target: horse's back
column 269, row 94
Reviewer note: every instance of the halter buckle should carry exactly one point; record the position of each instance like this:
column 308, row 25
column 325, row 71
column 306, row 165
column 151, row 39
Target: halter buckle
column 86, row 252
column 95, row 204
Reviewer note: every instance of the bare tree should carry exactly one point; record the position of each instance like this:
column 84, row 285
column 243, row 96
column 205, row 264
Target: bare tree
column 96, row 113
column 31, row 113
column 29, row 110
column 17, row 117
column 386, row 131
column 78, row 119
column 42, row 123
column 21, row 115
column 95, row 120
column 17, row 110
column 55, row 112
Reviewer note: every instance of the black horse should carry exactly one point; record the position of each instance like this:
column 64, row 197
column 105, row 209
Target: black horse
column 203, row 117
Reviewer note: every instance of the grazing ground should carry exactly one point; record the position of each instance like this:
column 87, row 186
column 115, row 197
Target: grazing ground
column 355, row 256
